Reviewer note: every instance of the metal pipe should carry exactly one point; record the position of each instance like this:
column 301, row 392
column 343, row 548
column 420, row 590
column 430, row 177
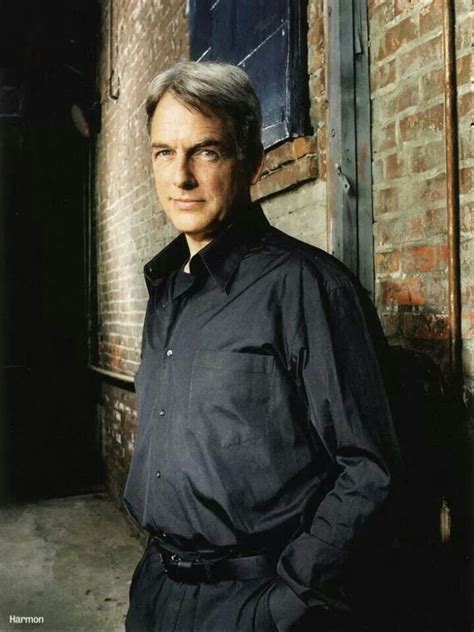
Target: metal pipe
column 114, row 91
column 452, row 192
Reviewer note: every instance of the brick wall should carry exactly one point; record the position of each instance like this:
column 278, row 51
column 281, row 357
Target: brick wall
column 117, row 416
column 139, row 39
column 128, row 227
column 409, row 171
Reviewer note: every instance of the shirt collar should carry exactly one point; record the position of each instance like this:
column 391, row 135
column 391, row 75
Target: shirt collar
column 220, row 257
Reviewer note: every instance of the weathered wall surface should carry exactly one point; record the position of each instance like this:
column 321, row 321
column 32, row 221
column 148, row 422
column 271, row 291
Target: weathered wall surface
column 409, row 171
column 139, row 39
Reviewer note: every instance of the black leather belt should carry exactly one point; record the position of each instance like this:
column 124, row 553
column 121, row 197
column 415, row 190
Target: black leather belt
column 195, row 570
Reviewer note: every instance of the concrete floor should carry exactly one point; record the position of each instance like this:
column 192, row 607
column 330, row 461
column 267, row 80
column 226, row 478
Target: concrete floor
column 69, row 560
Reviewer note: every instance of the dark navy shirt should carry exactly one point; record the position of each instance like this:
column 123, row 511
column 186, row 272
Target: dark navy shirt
column 263, row 419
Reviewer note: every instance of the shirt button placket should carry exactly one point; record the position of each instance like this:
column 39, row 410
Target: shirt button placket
column 169, row 353
column 162, row 412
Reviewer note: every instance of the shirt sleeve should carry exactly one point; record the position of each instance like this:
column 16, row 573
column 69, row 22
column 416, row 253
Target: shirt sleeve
column 337, row 349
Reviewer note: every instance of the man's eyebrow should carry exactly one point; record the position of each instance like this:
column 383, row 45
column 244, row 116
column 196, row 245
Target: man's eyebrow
column 154, row 145
column 207, row 142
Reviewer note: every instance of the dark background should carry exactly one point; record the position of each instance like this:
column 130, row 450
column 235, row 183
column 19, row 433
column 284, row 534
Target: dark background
column 47, row 63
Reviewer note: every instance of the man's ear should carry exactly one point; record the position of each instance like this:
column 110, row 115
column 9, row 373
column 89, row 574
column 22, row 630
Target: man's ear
column 258, row 167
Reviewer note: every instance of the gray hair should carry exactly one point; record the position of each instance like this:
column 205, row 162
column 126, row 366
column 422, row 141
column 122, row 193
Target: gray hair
column 221, row 89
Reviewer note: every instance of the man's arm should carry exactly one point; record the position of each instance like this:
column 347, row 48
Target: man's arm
column 336, row 349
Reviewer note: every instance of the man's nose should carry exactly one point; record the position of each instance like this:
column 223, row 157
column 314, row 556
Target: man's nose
column 183, row 175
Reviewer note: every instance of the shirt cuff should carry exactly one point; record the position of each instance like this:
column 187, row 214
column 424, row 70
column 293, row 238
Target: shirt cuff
column 286, row 608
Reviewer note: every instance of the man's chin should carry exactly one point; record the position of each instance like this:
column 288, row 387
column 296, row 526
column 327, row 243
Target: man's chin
column 199, row 230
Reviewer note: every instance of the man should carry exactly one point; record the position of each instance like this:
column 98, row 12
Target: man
column 262, row 466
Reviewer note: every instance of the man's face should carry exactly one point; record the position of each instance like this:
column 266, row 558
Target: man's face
column 198, row 178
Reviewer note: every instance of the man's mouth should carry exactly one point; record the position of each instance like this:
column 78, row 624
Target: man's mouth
column 186, row 203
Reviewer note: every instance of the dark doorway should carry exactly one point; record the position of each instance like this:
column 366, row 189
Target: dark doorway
column 47, row 65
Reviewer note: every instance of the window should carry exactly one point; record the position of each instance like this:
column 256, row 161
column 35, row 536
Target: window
column 267, row 40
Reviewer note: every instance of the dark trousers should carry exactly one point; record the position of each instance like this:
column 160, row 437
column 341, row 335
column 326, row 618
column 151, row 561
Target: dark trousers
column 159, row 604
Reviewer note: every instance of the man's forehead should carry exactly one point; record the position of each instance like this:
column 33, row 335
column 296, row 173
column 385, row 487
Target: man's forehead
column 174, row 117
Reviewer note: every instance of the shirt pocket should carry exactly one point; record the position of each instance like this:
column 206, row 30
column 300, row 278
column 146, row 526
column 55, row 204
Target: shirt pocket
column 230, row 396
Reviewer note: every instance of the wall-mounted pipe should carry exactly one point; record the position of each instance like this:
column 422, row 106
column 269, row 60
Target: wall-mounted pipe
column 452, row 192
column 114, row 79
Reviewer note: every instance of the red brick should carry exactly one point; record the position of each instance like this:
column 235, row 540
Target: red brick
column 384, row 138
column 467, row 295
column 425, row 325
column 386, row 200
column 408, row 96
column 464, row 32
column 304, row 145
column 430, row 190
column 432, row 84
column 404, row 6
column 420, row 56
column 463, row 69
column 382, row 75
column 395, row 166
column 377, row 170
column 407, row 292
column 436, row 291
column 415, row 126
column 466, row 105
column 427, row 157
column 389, row 232
column 432, row 222
column 315, row 111
column 467, row 217
column 316, row 33
column 468, row 325
column 466, row 149
column 288, row 176
column 465, row 180
column 396, row 37
column 279, row 156
column 431, row 17
column 380, row 15
column 387, row 262
column 424, row 258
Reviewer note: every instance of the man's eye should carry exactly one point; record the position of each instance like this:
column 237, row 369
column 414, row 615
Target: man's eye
column 208, row 154
column 162, row 153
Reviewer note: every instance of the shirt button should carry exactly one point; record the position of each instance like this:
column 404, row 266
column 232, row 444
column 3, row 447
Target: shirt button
column 164, row 304
column 162, row 412
column 169, row 352
column 158, row 474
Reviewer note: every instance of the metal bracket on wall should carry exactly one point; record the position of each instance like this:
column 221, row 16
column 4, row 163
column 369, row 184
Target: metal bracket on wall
column 346, row 185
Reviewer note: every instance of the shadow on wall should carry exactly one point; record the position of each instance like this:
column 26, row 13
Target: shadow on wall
column 427, row 579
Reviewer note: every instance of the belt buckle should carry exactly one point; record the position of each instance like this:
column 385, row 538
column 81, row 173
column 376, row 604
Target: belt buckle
column 189, row 572
column 179, row 570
